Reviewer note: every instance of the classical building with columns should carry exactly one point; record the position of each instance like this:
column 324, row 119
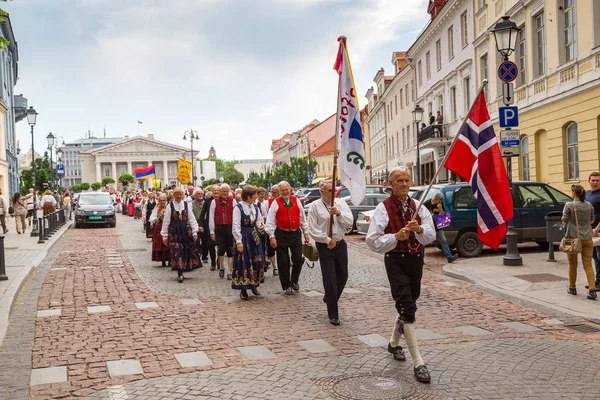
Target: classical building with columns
column 130, row 154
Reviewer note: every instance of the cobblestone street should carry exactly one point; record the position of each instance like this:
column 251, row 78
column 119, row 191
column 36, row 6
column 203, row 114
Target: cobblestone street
column 110, row 324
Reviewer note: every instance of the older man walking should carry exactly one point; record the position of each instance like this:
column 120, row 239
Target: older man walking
column 284, row 223
column 593, row 197
column 220, row 223
column 394, row 232
column 209, row 244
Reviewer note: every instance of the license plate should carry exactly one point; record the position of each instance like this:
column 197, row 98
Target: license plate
column 92, row 217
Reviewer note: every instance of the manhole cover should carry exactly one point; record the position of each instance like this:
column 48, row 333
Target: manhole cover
column 131, row 250
column 372, row 387
column 541, row 278
column 583, row 328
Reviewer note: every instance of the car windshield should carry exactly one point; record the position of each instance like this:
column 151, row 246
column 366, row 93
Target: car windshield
column 94, row 200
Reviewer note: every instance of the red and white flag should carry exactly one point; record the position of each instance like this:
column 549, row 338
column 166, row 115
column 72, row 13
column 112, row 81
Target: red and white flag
column 476, row 158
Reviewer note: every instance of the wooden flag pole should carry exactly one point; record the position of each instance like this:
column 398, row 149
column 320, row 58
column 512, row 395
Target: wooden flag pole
column 483, row 84
column 337, row 138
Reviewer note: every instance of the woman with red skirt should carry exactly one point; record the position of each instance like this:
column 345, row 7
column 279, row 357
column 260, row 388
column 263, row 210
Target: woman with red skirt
column 160, row 251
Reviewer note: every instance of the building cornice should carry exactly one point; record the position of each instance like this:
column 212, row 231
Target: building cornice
column 433, row 27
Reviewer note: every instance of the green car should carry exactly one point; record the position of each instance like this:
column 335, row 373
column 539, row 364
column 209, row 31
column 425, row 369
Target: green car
column 531, row 201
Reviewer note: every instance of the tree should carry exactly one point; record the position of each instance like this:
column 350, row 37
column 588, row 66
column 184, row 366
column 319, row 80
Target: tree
column 107, row 180
column 126, row 179
column 210, row 182
column 96, row 186
column 296, row 172
column 257, row 179
column 26, row 181
column 42, row 174
column 84, row 186
column 232, row 175
column 76, row 188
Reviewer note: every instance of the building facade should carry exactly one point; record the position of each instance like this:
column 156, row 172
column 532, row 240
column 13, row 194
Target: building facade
column 377, row 121
column 259, row 166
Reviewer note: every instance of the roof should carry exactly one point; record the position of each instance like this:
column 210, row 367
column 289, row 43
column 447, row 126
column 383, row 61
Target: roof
column 326, row 148
column 137, row 138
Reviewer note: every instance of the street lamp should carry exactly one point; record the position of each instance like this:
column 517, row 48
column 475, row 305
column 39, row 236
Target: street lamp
column 417, row 114
column 193, row 136
column 50, row 139
column 31, row 120
column 505, row 34
column 310, row 169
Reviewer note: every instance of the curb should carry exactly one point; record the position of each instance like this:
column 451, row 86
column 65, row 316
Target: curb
column 13, row 290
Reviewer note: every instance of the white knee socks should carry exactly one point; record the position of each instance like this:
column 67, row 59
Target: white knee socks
column 274, row 262
column 395, row 339
column 411, row 342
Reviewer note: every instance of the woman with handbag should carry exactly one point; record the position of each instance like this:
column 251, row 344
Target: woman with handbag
column 20, row 209
column 248, row 253
column 578, row 239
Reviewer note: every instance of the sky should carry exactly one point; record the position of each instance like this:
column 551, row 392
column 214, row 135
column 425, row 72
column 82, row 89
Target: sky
column 238, row 72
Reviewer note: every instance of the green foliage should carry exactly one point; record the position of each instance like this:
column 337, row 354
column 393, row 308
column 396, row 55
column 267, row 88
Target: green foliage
column 96, row 186
column 107, row 180
column 84, row 186
column 232, row 176
column 126, row 179
column 219, row 163
column 76, row 188
column 42, row 175
column 4, row 41
column 296, row 172
column 26, row 181
column 209, row 182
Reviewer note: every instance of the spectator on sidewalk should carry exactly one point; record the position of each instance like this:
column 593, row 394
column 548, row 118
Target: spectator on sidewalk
column 66, row 201
column 3, row 212
column 435, row 206
column 593, row 197
column 332, row 248
column 394, row 232
column 577, row 217
column 20, row 209
column 30, row 206
column 48, row 202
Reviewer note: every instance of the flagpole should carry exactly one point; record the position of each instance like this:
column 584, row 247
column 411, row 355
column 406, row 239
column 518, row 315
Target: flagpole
column 483, row 84
column 337, row 137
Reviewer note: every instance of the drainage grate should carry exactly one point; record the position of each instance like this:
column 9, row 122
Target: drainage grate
column 541, row 278
column 583, row 328
column 131, row 250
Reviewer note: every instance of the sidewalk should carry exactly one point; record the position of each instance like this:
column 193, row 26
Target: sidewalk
column 22, row 255
column 537, row 280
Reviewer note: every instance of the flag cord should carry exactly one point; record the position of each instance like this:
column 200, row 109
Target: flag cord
column 483, row 85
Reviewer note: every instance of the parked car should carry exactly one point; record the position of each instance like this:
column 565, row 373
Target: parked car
column 343, row 191
column 363, row 220
column 369, row 203
column 95, row 208
column 309, row 195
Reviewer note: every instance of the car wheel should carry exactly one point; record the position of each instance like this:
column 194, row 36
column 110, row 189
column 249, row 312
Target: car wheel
column 75, row 225
column 349, row 230
column 113, row 224
column 468, row 245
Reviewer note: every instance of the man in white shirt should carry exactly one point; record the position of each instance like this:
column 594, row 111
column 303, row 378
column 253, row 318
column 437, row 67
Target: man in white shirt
column 332, row 248
column 285, row 218
column 399, row 234
column 220, row 222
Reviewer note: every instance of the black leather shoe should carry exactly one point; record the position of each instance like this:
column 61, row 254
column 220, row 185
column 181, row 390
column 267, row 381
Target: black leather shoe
column 422, row 374
column 243, row 294
column 221, row 273
column 288, row 291
column 255, row 292
column 335, row 321
column 453, row 258
column 275, row 272
column 213, row 267
column 592, row 295
column 572, row 291
column 397, row 352
column 296, row 287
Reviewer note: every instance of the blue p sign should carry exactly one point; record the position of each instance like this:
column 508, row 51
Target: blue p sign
column 508, row 117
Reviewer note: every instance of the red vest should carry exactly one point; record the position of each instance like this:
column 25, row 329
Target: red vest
column 270, row 201
column 397, row 221
column 223, row 215
column 287, row 218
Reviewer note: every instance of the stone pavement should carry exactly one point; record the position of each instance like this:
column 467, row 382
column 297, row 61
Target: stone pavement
column 536, row 281
column 110, row 325
column 22, row 254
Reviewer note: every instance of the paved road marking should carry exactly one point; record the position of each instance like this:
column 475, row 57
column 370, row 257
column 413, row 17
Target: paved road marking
column 43, row 376
column 194, row 359
column 373, row 340
column 256, row 352
column 124, row 367
column 49, row 313
column 146, row 304
column 317, row 346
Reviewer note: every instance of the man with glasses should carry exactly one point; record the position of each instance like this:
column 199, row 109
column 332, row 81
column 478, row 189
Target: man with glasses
column 592, row 196
column 272, row 259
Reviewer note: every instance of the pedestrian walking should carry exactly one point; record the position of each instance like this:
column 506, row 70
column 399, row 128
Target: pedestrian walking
column 197, row 204
column 66, row 202
column 208, row 244
column 220, row 222
column 179, row 232
column 160, row 251
column 31, row 207
column 48, row 202
column 435, row 206
column 20, row 209
column 394, row 232
column 248, row 254
column 332, row 248
column 271, row 254
column 285, row 223
column 577, row 218
column 130, row 204
column 593, row 197
column 151, row 203
column 263, row 206
column 3, row 212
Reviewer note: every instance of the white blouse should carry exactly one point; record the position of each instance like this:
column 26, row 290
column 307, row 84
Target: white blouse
column 249, row 210
column 48, row 199
column 178, row 206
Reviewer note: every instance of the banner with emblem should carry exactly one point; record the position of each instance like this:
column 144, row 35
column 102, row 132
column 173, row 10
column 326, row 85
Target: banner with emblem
column 184, row 171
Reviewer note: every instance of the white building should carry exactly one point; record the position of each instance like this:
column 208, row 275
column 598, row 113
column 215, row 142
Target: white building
column 205, row 170
column 377, row 128
column 260, row 166
column 445, row 78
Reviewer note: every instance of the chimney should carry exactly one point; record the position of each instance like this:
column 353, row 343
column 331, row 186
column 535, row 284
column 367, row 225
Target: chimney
column 151, row 136
column 399, row 59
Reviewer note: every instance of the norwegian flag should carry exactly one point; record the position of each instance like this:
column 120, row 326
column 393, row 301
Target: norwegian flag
column 476, row 158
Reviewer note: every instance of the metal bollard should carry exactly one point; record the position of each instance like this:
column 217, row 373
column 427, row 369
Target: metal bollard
column 3, row 276
column 41, row 229
column 54, row 221
column 46, row 227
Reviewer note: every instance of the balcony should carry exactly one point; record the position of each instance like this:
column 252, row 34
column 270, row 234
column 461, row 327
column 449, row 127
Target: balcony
column 434, row 136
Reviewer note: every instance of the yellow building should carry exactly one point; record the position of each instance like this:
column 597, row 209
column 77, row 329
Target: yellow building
column 558, row 87
column 323, row 155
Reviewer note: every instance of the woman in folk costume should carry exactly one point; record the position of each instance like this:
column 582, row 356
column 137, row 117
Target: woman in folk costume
column 160, row 251
column 150, row 206
column 138, row 204
column 130, row 206
column 248, row 253
column 118, row 206
column 180, row 232
column 48, row 202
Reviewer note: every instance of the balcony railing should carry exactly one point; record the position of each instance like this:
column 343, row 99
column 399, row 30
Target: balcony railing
column 435, row 131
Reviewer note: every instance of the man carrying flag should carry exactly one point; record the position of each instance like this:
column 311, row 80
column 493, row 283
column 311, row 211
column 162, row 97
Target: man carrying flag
column 475, row 157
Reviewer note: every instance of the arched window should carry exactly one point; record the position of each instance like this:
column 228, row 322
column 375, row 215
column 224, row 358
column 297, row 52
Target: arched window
column 572, row 152
column 525, row 159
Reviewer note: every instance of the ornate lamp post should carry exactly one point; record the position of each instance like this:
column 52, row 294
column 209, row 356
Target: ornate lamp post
column 50, row 139
column 193, row 136
column 31, row 120
column 417, row 114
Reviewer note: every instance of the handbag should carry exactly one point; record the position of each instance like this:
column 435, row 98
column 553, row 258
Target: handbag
column 571, row 246
column 442, row 220
column 310, row 253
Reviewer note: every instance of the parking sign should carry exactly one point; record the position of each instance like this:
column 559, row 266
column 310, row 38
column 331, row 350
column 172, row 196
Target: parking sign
column 508, row 117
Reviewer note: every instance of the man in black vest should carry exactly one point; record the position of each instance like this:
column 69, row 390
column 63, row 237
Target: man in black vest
column 398, row 231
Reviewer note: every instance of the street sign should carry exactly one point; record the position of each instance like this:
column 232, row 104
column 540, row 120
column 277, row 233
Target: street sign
column 60, row 170
column 202, row 178
column 508, row 93
column 311, row 175
column 508, row 71
column 508, row 117
column 510, row 142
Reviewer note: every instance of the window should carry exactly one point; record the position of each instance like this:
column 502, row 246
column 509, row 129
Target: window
column 403, row 139
column 428, row 65
column 441, row 105
column 172, row 170
column 401, row 99
column 392, row 148
column 572, row 152
column 463, row 198
column 467, row 93
column 122, row 170
column 396, row 103
column 107, row 171
column 451, row 43
column 521, row 62
column 525, row 159
column 420, row 72
column 323, row 167
column 535, row 196
column 453, row 103
column 438, row 54
column 464, row 32
column 412, row 90
column 540, row 45
column 406, row 93
column 329, row 165
column 481, row 4
column 484, row 73
column 570, row 30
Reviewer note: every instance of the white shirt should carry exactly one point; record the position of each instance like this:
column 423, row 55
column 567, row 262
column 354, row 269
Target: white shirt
column 48, row 198
column 153, row 215
column 382, row 242
column 264, row 207
column 249, row 210
column 318, row 221
column 271, row 224
column 179, row 206
column 211, row 214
